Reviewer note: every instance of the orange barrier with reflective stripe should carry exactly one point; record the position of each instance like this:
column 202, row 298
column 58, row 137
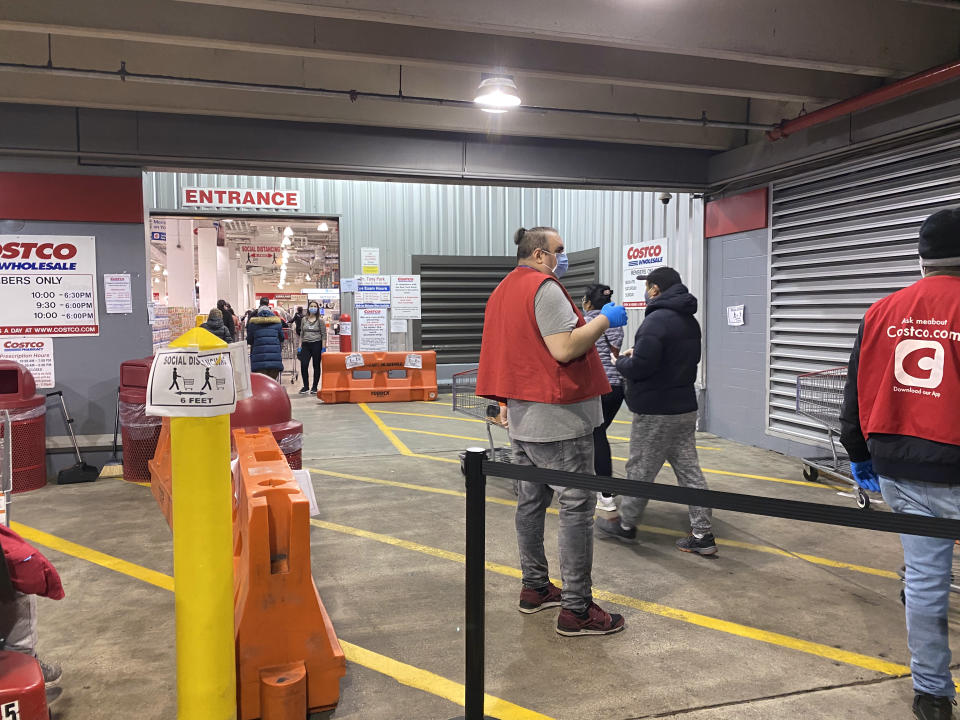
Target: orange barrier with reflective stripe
column 161, row 476
column 289, row 661
column 383, row 377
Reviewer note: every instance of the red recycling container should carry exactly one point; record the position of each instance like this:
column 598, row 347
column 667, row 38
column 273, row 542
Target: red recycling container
column 138, row 430
column 28, row 428
column 269, row 407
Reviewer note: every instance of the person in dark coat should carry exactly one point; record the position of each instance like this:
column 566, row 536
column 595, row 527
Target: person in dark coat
column 216, row 325
column 660, row 371
column 224, row 307
column 265, row 338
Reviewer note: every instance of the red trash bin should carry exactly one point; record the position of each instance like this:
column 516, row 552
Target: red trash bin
column 269, row 407
column 138, row 430
column 28, row 425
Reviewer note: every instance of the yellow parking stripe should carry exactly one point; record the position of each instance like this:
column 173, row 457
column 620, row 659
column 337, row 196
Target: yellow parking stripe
column 866, row 662
column 403, row 673
column 397, row 442
column 652, row 529
column 437, row 434
column 427, row 415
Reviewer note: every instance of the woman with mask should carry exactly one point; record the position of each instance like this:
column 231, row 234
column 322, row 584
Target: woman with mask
column 313, row 336
column 608, row 346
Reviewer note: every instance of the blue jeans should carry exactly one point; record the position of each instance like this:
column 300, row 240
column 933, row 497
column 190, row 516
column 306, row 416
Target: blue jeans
column 929, row 563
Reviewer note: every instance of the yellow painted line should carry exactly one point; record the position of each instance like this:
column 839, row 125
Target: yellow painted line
column 403, row 673
column 110, row 562
column 397, row 442
column 426, row 415
column 866, row 662
column 437, row 434
column 435, row 402
column 813, row 559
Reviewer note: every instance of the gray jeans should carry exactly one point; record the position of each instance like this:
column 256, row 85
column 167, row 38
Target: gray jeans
column 18, row 624
column 576, row 518
column 655, row 439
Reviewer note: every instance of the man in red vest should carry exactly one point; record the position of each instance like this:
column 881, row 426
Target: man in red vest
column 538, row 356
column 900, row 424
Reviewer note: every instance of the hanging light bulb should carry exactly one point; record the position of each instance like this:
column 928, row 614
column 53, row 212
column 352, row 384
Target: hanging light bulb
column 164, row 273
column 308, row 277
column 497, row 93
column 323, row 227
column 156, row 281
column 286, row 242
column 156, row 267
column 288, row 231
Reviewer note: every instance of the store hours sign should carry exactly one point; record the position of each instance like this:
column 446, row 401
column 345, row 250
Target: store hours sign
column 48, row 285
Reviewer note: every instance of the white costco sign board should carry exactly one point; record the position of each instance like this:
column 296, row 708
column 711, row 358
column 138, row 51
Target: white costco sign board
column 639, row 261
column 48, row 285
column 35, row 354
column 372, row 330
column 405, row 297
column 188, row 382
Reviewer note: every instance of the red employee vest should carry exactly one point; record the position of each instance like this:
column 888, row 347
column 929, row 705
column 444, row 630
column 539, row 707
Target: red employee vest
column 515, row 363
column 908, row 381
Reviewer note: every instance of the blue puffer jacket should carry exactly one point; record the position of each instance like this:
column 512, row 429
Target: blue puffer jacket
column 265, row 337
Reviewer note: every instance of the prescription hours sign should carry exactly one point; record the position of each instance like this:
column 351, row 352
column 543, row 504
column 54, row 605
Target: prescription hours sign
column 48, row 285
column 188, row 382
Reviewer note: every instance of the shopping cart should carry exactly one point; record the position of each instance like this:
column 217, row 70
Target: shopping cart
column 465, row 401
column 819, row 397
column 288, row 351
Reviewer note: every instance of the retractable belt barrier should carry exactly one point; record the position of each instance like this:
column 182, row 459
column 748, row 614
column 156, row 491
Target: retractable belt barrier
column 477, row 468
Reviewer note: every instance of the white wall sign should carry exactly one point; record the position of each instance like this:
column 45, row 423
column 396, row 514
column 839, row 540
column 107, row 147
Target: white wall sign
column 373, row 291
column 348, row 284
column 735, row 315
column 372, row 330
column 35, row 354
column 261, row 255
column 405, row 296
column 370, row 261
column 413, row 361
column 398, row 325
column 639, row 261
column 48, row 285
column 240, row 198
column 117, row 295
column 187, row 382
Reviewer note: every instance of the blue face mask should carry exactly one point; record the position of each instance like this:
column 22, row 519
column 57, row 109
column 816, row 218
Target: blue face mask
column 563, row 263
column 313, row 311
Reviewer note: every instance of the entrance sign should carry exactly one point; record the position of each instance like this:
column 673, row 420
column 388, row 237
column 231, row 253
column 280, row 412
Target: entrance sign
column 241, row 198
column 35, row 354
column 188, row 382
column 48, row 285
column 405, row 297
column 639, row 261
column 373, row 335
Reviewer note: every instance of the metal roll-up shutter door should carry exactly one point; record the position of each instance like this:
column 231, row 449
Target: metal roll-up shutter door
column 583, row 271
column 842, row 239
column 454, row 292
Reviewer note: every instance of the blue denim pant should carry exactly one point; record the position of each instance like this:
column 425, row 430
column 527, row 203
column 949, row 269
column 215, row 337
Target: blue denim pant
column 929, row 563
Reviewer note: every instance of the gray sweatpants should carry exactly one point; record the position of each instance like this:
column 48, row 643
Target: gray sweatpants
column 18, row 624
column 577, row 507
column 655, row 439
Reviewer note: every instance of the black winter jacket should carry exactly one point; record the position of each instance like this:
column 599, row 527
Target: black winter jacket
column 666, row 350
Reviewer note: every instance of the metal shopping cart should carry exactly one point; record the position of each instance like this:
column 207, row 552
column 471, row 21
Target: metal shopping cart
column 819, row 397
column 465, row 401
column 288, row 351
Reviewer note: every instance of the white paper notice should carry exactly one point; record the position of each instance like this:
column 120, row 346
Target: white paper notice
column 35, row 354
column 413, row 361
column 240, row 360
column 117, row 294
column 735, row 315
column 373, row 291
column 372, row 330
column 306, row 487
column 187, row 382
column 398, row 325
column 639, row 261
column 348, row 285
column 370, row 261
column 49, row 285
column 354, row 360
column 405, row 296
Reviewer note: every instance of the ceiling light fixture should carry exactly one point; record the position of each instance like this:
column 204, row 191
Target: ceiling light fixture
column 164, row 273
column 497, row 93
column 288, row 231
column 156, row 267
column 308, row 277
column 323, row 227
column 286, row 242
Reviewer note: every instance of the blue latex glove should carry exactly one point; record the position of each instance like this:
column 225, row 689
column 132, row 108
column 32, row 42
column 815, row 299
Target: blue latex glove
column 865, row 476
column 616, row 314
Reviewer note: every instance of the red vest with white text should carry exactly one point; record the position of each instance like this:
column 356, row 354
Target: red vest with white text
column 515, row 363
column 908, row 380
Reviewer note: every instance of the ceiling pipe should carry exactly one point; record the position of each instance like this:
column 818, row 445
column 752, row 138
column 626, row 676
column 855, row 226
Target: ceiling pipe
column 920, row 81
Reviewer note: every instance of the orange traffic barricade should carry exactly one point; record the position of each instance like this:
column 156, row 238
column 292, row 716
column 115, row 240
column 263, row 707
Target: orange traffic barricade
column 161, row 476
column 383, row 377
column 289, row 661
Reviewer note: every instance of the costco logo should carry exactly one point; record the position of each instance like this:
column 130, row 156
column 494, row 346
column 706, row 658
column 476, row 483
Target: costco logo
column 647, row 251
column 12, row 345
column 41, row 251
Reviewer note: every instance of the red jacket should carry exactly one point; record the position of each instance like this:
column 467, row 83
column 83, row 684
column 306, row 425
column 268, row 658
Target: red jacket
column 30, row 572
column 902, row 400
column 515, row 363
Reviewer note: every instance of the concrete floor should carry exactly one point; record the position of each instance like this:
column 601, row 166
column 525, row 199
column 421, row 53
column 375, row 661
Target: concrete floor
column 791, row 620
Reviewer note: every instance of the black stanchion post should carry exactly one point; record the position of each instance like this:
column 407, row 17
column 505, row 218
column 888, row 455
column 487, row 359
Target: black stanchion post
column 475, row 603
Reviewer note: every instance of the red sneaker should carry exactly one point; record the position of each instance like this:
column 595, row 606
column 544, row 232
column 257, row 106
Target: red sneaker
column 597, row 622
column 536, row 599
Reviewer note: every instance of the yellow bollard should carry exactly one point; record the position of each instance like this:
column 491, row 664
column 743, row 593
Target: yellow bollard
column 203, row 558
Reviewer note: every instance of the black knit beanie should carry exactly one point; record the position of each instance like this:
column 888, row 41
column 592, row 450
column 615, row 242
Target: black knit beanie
column 939, row 244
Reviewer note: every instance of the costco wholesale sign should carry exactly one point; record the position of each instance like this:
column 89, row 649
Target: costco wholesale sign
column 48, row 285
column 240, row 198
column 639, row 261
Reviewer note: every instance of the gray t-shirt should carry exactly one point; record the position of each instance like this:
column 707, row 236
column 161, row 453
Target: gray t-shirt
column 543, row 422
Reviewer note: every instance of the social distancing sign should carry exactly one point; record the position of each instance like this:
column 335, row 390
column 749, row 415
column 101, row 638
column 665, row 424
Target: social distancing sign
column 188, row 382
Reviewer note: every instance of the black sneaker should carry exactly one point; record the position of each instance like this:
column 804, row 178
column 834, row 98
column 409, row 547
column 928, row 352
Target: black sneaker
column 612, row 529
column 932, row 707
column 303, row 391
column 52, row 672
column 706, row 545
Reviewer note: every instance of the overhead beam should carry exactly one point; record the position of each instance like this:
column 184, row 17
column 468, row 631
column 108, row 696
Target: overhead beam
column 176, row 23
column 869, row 37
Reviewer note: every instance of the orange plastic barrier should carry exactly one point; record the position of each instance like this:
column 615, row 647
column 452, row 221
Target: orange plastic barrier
column 289, row 661
column 161, row 477
column 383, row 377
